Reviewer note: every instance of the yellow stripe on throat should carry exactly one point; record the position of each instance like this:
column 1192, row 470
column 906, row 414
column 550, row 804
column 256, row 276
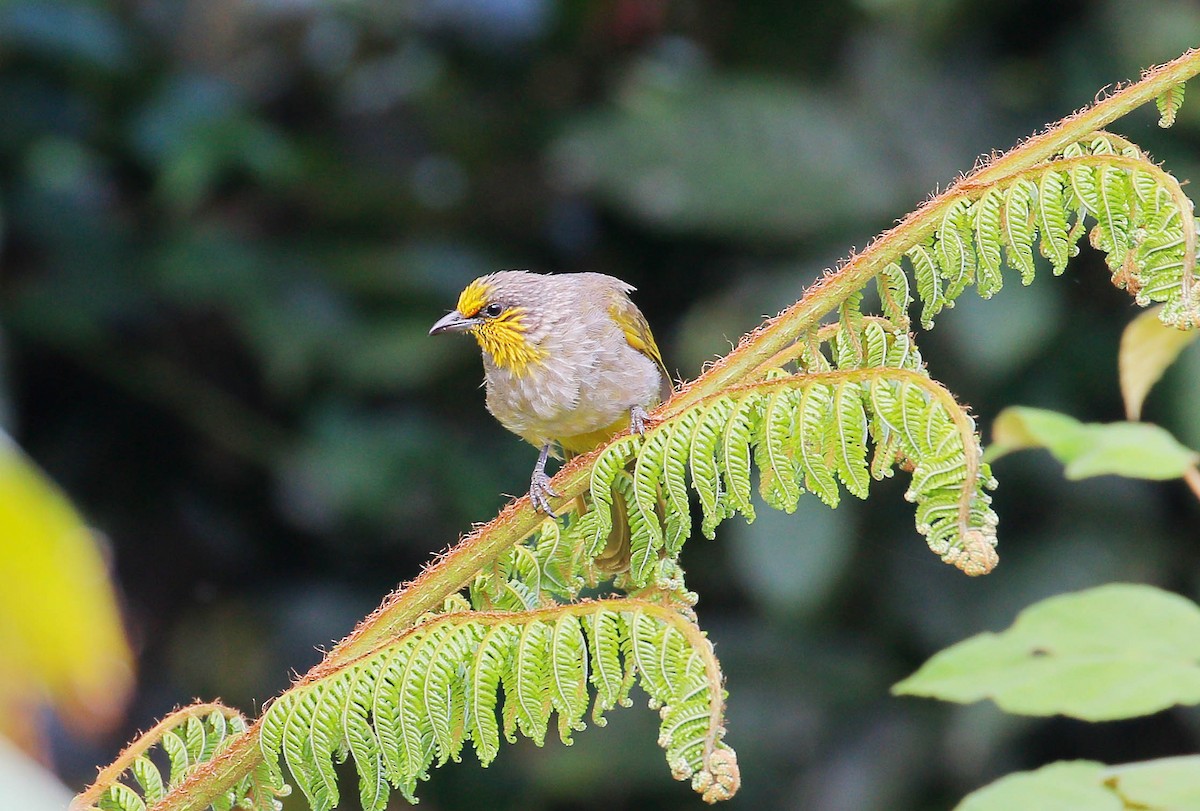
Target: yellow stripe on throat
column 503, row 338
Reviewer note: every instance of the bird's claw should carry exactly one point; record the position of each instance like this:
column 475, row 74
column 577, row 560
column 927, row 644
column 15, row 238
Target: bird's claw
column 540, row 493
column 638, row 420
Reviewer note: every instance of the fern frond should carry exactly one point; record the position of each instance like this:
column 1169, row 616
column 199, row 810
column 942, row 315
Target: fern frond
column 811, row 359
column 706, row 478
column 544, row 661
column 1053, row 217
column 645, row 533
column 558, row 560
column 929, row 286
column 777, row 472
column 611, row 680
column 989, row 238
column 894, row 298
column 418, row 677
column 120, row 797
column 956, row 250
column 514, row 583
column 569, row 690
column 816, row 440
column 849, row 350
column 812, row 431
column 949, row 479
column 679, row 512
column 647, row 492
column 1104, row 179
column 405, row 734
column 850, row 438
column 189, row 738
column 308, row 743
column 491, row 660
column 740, row 427
column 902, row 353
column 883, row 345
column 360, row 737
column 530, row 682
column 548, row 566
column 596, row 523
column 1168, row 105
column 1019, row 231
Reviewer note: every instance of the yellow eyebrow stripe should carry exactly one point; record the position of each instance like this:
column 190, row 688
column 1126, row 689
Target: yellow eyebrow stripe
column 473, row 298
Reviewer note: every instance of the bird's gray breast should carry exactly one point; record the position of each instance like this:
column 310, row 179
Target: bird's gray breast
column 588, row 378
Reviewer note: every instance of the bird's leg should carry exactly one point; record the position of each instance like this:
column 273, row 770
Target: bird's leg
column 638, row 419
column 539, row 486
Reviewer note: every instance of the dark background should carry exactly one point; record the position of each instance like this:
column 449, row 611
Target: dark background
column 228, row 225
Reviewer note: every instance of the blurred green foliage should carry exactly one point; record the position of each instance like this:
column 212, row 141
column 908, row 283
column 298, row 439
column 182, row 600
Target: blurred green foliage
column 228, row 225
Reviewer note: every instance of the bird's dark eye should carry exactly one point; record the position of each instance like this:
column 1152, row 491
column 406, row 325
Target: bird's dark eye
column 493, row 310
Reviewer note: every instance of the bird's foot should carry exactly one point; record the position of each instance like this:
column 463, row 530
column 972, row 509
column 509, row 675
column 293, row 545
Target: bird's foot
column 539, row 486
column 639, row 420
column 540, row 493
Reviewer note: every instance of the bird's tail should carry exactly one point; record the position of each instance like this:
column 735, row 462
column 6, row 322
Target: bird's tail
column 615, row 557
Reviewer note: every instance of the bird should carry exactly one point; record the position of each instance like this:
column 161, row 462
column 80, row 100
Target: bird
column 569, row 361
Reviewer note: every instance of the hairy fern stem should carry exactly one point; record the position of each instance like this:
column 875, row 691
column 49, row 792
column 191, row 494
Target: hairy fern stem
column 812, row 407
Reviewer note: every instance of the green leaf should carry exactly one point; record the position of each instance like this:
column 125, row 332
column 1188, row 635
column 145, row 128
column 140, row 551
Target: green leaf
column 1148, row 347
column 1117, row 651
column 1170, row 784
column 1059, row 786
column 1131, row 449
column 1018, row 428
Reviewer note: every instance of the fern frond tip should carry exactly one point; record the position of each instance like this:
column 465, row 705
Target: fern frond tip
column 720, row 778
column 1168, row 104
column 977, row 555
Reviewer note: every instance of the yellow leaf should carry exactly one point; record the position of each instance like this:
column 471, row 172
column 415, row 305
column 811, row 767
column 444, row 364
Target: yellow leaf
column 60, row 630
column 1148, row 347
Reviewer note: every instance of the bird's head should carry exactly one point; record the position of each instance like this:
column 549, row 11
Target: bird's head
column 499, row 310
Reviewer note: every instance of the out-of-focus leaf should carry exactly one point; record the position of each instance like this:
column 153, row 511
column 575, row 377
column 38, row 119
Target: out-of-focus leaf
column 1116, row 651
column 1060, row 786
column 1019, row 428
column 736, row 156
column 1183, row 396
column 1131, row 449
column 60, row 631
column 1134, row 450
column 1170, row 784
column 1148, row 347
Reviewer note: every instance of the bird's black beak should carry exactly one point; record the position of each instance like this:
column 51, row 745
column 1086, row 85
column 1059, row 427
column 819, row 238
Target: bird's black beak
column 453, row 321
